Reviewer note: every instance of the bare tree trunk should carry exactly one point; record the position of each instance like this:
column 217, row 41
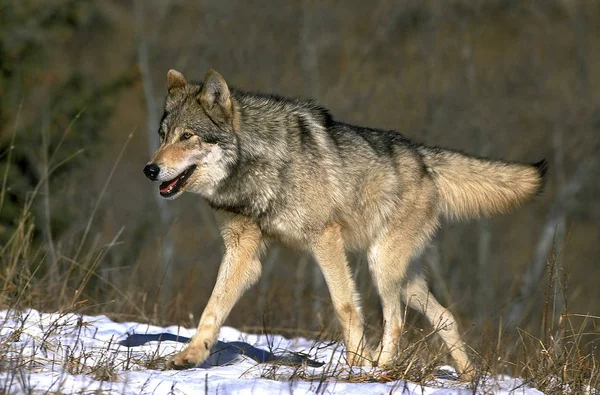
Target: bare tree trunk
column 483, row 226
column 561, row 220
column 152, row 109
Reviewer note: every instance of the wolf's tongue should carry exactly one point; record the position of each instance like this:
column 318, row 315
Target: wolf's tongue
column 164, row 187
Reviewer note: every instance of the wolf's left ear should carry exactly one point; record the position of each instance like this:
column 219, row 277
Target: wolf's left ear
column 175, row 80
column 215, row 98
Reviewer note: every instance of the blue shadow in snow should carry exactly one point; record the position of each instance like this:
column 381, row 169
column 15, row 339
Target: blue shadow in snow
column 224, row 353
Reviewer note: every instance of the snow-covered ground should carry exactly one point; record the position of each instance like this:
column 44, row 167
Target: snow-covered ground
column 71, row 353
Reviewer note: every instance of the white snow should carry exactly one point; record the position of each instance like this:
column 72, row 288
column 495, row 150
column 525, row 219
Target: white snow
column 71, row 353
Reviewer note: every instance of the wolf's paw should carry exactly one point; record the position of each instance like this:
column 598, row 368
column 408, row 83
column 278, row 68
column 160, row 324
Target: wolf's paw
column 191, row 357
column 383, row 359
column 467, row 375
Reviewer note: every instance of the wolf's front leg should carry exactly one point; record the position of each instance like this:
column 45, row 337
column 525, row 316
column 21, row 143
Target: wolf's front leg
column 239, row 269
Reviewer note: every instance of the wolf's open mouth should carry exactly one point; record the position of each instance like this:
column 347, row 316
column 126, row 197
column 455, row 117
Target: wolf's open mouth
column 170, row 188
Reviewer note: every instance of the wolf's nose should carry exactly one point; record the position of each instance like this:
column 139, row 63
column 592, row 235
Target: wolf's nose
column 151, row 171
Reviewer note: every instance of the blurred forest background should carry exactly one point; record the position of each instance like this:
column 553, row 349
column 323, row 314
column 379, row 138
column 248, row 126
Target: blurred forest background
column 79, row 223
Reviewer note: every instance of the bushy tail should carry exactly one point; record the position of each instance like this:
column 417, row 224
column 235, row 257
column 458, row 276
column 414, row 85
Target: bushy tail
column 471, row 187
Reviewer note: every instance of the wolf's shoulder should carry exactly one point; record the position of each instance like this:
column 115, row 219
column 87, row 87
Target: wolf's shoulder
column 283, row 105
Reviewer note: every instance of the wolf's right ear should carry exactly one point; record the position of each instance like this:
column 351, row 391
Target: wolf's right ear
column 175, row 80
column 215, row 98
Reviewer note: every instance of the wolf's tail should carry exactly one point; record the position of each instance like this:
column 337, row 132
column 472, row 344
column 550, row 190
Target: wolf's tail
column 471, row 187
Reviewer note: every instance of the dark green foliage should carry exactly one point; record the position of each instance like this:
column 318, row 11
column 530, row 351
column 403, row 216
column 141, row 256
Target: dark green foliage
column 51, row 98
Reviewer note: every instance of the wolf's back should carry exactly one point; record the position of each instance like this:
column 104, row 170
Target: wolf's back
column 471, row 187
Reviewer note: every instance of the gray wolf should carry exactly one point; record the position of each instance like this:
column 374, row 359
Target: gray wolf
column 285, row 170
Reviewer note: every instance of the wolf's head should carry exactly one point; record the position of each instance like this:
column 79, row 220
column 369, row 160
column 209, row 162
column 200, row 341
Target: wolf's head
column 197, row 136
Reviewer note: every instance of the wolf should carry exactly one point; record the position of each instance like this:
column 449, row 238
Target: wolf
column 284, row 170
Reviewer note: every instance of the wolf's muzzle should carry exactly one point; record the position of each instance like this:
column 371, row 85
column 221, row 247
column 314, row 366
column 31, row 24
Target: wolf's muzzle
column 151, row 171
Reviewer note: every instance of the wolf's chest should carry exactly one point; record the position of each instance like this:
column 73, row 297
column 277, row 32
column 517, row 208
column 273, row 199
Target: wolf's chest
column 293, row 227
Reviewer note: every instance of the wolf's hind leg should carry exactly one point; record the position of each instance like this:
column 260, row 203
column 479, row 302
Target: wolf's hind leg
column 239, row 269
column 391, row 257
column 417, row 296
column 329, row 253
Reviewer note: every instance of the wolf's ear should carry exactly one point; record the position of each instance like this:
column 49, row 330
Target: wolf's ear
column 215, row 98
column 175, row 80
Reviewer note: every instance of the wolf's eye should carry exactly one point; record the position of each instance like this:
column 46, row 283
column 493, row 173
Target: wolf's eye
column 186, row 135
column 161, row 134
